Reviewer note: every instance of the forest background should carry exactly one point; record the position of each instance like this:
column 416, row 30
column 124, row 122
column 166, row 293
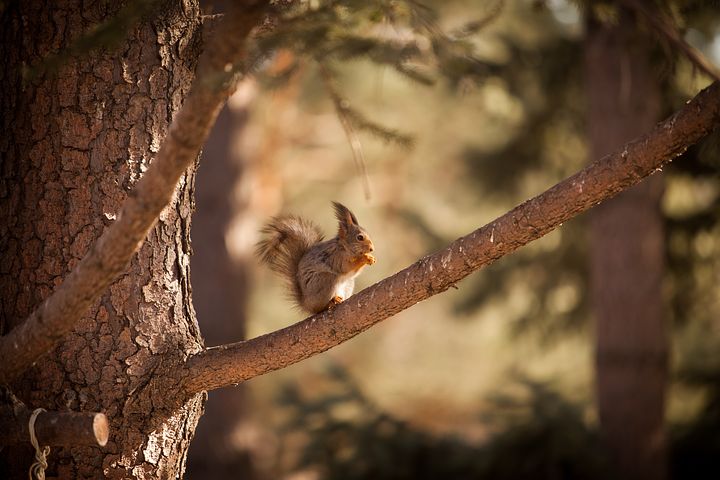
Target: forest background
column 496, row 379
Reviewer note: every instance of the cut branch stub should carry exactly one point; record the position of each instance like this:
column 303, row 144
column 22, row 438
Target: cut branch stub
column 69, row 429
column 230, row 364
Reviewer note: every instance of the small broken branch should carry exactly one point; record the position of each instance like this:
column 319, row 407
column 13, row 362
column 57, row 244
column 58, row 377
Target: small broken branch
column 217, row 77
column 231, row 364
column 68, row 429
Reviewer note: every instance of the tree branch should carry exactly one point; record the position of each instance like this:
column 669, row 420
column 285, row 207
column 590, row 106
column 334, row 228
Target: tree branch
column 231, row 364
column 217, row 76
column 68, row 429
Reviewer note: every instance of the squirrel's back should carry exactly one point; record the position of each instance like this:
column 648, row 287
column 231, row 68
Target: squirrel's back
column 286, row 240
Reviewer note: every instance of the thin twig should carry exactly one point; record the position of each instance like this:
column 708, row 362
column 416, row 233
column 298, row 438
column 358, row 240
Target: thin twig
column 477, row 25
column 665, row 27
column 341, row 108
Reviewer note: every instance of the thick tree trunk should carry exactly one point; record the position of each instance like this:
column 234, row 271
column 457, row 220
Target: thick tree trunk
column 74, row 143
column 627, row 258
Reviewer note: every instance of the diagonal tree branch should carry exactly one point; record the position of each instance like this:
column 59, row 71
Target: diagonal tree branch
column 231, row 364
column 217, row 76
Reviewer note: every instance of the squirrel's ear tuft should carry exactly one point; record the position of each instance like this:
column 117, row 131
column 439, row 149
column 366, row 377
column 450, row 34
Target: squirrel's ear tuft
column 345, row 218
column 344, row 215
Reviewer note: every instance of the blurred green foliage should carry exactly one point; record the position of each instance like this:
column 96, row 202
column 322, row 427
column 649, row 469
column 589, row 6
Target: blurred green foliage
column 544, row 437
column 552, row 71
column 695, row 447
column 403, row 35
column 535, row 434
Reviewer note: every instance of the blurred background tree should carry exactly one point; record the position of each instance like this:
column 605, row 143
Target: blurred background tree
column 627, row 248
column 429, row 120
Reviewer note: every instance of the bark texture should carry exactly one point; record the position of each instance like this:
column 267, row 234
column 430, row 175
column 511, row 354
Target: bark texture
column 74, row 144
column 230, row 364
column 627, row 257
column 218, row 72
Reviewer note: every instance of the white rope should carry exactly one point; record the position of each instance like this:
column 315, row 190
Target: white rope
column 37, row 469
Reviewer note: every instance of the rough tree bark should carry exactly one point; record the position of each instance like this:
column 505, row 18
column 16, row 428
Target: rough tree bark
column 74, row 145
column 627, row 256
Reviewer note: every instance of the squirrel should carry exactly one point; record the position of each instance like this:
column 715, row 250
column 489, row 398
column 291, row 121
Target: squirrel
column 319, row 274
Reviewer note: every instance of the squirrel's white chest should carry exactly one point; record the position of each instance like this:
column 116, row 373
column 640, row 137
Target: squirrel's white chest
column 345, row 284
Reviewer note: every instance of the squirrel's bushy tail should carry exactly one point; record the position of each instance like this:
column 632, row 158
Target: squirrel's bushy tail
column 286, row 241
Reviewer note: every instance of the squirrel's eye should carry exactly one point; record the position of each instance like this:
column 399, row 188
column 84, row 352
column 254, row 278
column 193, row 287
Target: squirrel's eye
column 360, row 237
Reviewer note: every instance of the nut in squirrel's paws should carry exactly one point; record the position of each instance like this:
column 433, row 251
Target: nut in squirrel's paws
column 369, row 258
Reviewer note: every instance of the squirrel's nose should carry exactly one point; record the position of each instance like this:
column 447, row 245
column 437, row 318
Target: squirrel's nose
column 372, row 247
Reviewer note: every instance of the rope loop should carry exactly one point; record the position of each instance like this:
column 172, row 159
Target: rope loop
column 37, row 469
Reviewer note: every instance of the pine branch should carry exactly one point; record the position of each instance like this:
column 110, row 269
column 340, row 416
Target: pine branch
column 352, row 120
column 346, row 30
column 665, row 27
column 342, row 108
column 231, row 364
column 217, row 78
column 474, row 26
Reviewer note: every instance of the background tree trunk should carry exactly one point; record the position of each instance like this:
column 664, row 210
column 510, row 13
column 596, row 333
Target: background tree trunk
column 75, row 142
column 627, row 259
column 221, row 289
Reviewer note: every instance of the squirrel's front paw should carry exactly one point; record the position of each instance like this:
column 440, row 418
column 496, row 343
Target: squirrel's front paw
column 369, row 258
column 334, row 301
